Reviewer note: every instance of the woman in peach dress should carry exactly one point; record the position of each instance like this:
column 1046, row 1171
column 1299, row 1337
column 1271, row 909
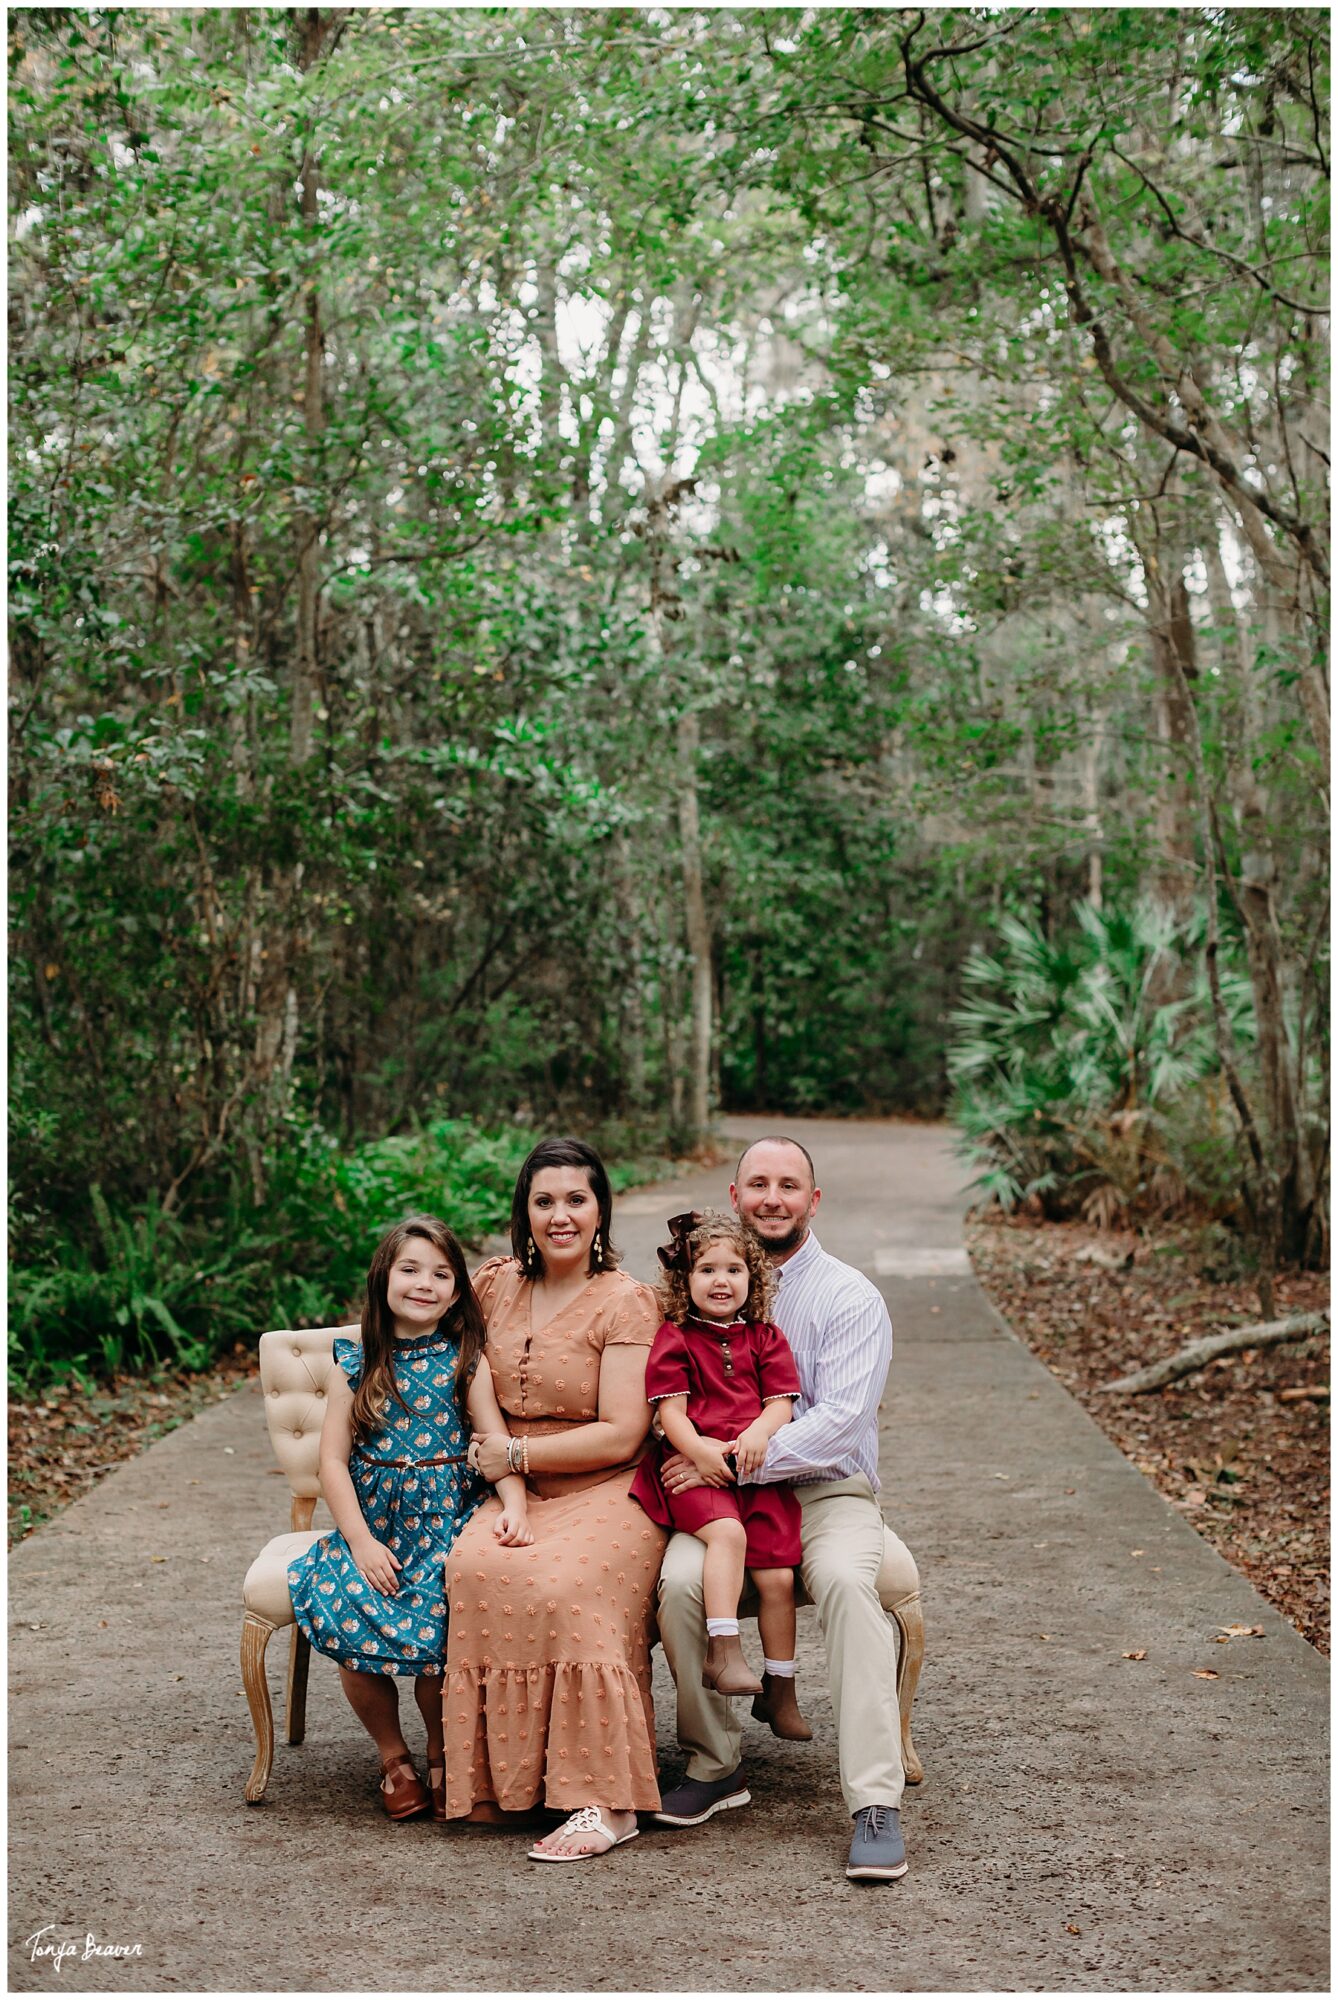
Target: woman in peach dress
column 547, row 1694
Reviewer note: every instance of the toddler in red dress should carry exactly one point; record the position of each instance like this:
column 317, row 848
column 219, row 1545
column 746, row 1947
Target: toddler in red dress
column 724, row 1379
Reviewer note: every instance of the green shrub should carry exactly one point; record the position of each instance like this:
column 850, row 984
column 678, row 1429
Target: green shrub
column 111, row 1290
column 1085, row 1069
column 148, row 1293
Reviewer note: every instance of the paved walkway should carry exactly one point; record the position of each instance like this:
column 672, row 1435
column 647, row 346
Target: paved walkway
column 1086, row 1821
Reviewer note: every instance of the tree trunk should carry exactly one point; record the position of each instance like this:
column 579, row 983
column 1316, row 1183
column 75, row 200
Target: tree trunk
column 1175, row 877
column 1093, row 751
column 307, row 518
column 759, row 1027
column 1257, row 892
column 698, row 926
column 632, row 1005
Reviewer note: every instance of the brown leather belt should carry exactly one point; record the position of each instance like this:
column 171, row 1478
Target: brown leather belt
column 411, row 1464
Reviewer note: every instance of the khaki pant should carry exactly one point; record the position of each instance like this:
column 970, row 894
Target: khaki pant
column 853, row 1567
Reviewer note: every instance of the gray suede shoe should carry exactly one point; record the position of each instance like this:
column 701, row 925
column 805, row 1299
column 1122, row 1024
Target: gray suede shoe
column 877, row 1853
column 697, row 1798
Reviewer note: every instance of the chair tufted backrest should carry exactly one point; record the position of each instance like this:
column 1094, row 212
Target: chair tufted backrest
column 294, row 1369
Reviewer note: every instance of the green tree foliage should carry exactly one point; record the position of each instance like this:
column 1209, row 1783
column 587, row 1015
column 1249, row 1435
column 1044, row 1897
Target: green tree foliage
column 569, row 565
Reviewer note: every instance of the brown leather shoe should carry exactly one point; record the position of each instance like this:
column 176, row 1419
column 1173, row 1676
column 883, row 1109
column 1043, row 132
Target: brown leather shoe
column 437, row 1793
column 725, row 1668
column 406, row 1795
column 778, row 1706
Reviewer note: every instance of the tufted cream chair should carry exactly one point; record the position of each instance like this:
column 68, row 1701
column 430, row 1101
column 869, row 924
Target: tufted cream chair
column 294, row 1369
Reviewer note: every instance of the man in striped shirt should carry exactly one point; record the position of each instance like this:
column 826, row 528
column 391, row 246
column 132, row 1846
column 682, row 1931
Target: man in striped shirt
column 837, row 1324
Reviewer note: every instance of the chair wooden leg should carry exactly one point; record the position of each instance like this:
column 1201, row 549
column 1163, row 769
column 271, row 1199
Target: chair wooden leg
column 255, row 1637
column 295, row 1696
column 910, row 1657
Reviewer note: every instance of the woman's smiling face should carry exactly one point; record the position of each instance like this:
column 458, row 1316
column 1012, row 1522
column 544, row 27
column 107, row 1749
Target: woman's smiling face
column 564, row 1216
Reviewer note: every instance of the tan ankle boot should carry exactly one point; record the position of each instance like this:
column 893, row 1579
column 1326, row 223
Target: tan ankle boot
column 778, row 1706
column 725, row 1668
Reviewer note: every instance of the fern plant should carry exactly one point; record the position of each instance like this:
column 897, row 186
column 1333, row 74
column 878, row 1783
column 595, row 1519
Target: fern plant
column 148, row 1295
column 1076, row 1063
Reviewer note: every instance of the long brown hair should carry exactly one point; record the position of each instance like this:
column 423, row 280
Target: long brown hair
column 714, row 1226
column 462, row 1321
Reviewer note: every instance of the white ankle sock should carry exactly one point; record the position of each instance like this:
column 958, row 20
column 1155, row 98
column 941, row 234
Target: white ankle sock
column 780, row 1670
column 722, row 1628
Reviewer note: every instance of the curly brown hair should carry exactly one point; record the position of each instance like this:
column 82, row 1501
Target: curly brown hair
column 716, row 1226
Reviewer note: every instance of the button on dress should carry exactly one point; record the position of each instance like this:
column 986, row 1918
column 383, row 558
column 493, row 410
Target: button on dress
column 548, row 1695
column 416, row 1511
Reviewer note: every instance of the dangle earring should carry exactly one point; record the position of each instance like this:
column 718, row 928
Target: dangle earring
column 597, row 1252
column 529, row 1254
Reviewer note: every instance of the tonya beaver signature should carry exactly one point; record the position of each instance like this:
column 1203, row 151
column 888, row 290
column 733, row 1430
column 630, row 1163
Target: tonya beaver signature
column 42, row 1945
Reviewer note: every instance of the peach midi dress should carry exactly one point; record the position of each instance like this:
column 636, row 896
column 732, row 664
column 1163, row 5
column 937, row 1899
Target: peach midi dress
column 547, row 1698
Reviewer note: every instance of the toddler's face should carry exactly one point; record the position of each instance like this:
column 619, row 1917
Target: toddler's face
column 718, row 1284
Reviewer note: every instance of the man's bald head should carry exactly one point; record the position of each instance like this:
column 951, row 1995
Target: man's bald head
column 778, row 1139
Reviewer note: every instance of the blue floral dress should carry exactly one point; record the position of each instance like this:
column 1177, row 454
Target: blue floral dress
column 415, row 1509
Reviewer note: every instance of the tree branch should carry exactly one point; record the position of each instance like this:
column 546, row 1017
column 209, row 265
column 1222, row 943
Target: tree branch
column 1188, row 441
column 1197, row 1354
column 1200, row 242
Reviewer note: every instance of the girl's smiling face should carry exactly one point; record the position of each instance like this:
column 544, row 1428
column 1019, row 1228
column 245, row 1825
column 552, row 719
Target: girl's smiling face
column 718, row 1283
column 564, row 1216
column 420, row 1288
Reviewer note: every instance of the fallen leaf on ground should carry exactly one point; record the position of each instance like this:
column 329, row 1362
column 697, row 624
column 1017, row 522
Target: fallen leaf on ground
column 1074, row 1930
column 1226, row 1632
column 1206, row 1674
column 1141, row 1654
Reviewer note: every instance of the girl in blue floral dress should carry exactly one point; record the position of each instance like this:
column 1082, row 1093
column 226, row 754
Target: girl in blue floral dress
column 394, row 1475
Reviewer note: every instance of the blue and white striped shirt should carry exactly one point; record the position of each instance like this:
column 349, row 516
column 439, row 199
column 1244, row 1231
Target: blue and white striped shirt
column 837, row 1324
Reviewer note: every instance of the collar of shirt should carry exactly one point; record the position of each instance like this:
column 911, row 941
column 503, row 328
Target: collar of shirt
column 721, row 1328
column 436, row 1338
column 808, row 1250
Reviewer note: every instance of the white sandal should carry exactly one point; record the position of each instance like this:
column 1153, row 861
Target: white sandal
column 588, row 1820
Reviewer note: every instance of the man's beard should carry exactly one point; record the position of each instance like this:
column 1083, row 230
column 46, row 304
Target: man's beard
column 781, row 1246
